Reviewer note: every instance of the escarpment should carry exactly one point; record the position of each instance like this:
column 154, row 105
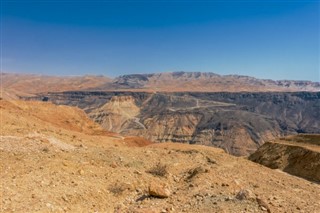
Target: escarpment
column 294, row 155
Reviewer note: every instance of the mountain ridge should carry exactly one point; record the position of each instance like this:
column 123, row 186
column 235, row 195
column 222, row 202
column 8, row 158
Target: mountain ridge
column 14, row 85
column 207, row 81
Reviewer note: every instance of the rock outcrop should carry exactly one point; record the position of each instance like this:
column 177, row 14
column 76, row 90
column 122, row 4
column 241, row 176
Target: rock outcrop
column 293, row 155
column 118, row 114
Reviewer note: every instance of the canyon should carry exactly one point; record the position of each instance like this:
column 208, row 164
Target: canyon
column 235, row 113
column 91, row 143
column 239, row 123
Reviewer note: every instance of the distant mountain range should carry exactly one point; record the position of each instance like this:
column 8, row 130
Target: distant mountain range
column 13, row 85
column 207, row 82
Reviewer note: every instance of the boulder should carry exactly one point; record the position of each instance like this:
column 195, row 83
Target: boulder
column 160, row 190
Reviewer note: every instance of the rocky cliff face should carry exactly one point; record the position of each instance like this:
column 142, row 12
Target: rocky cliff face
column 293, row 155
column 237, row 122
column 117, row 114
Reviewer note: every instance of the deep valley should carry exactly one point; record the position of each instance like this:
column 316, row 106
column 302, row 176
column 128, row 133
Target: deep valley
column 237, row 122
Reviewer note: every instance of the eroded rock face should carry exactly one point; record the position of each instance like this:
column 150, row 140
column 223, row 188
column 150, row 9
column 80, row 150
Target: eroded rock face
column 237, row 122
column 292, row 155
column 118, row 114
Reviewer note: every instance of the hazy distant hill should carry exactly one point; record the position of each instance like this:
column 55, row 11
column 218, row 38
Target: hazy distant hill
column 14, row 85
column 207, row 82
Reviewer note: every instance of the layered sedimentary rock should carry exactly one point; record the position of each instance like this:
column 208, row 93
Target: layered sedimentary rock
column 294, row 155
column 237, row 122
column 117, row 114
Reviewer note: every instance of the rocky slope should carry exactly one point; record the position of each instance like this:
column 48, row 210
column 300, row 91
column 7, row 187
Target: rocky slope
column 296, row 155
column 237, row 122
column 47, row 166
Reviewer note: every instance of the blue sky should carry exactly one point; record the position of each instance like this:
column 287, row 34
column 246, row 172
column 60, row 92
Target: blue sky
column 265, row 39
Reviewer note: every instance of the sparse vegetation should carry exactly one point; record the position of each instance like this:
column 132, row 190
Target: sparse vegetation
column 134, row 164
column 194, row 172
column 159, row 170
column 45, row 149
column 117, row 189
column 311, row 139
column 210, row 161
column 191, row 151
column 303, row 138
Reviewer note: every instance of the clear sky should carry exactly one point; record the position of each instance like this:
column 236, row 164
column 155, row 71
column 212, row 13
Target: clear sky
column 274, row 39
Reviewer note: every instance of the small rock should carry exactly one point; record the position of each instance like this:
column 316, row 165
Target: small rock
column 175, row 178
column 263, row 205
column 245, row 194
column 81, row 172
column 113, row 165
column 137, row 172
column 228, row 198
column 159, row 190
column 64, row 198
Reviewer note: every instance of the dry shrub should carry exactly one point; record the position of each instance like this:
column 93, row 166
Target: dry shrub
column 45, row 149
column 159, row 170
column 117, row 188
column 195, row 171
